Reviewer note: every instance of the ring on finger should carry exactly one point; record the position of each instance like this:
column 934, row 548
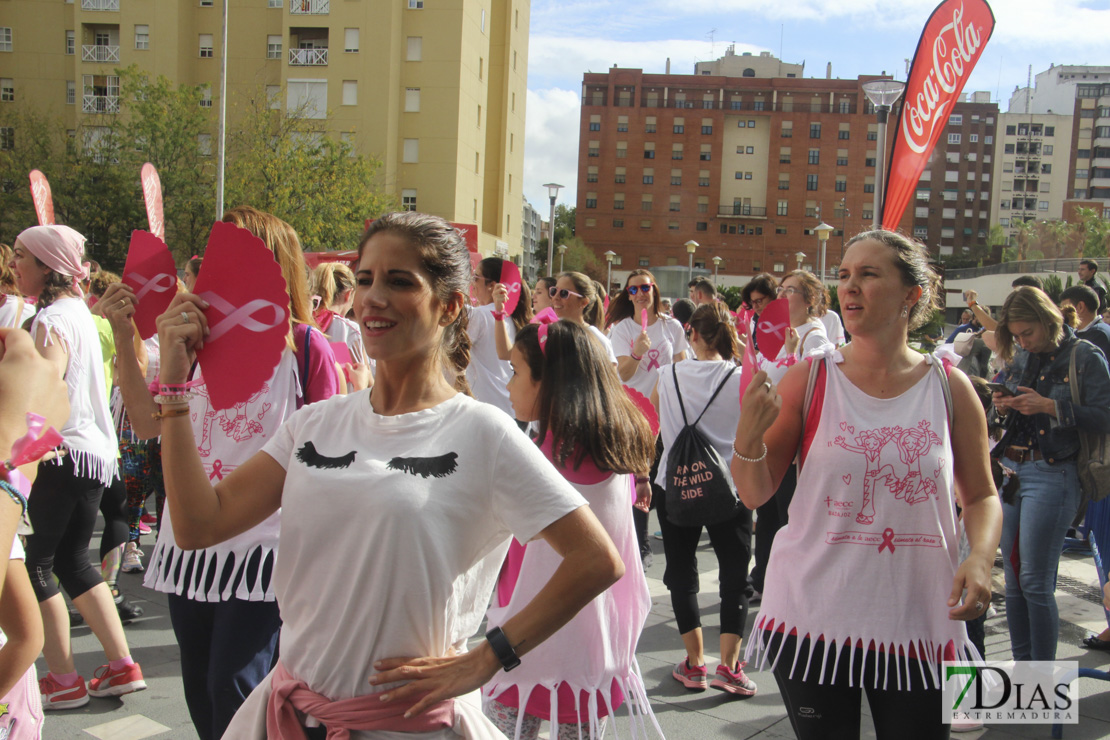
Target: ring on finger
column 767, row 385
column 185, row 316
column 979, row 606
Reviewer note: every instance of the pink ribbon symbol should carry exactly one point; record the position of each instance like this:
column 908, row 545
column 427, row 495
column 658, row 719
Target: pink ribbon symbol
column 217, row 470
column 162, row 282
column 514, row 288
column 653, row 359
column 769, row 328
column 888, row 540
column 241, row 315
column 35, row 443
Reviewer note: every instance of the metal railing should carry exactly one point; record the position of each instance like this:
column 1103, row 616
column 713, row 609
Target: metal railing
column 100, row 104
column 740, row 210
column 308, row 57
column 309, row 7
column 94, row 53
column 100, row 5
column 1063, row 264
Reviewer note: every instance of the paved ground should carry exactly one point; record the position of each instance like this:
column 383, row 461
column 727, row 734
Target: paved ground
column 159, row 712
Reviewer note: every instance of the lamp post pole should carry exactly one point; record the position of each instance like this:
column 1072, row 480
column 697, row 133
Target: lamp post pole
column 553, row 193
column 609, row 281
column 882, row 94
column 716, row 269
column 690, row 247
column 823, row 232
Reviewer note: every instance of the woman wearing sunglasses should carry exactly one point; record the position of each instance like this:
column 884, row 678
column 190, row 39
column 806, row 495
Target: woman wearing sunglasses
column 641, row 353
column 575, row 298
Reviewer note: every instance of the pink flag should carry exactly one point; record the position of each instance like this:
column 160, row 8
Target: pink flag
column 150, row 272
column 510, row 278
column 771, row 329
column 44, row 202
column 643, row 319
column 152, row 196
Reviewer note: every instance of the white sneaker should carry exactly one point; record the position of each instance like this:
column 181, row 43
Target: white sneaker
column 132, row 562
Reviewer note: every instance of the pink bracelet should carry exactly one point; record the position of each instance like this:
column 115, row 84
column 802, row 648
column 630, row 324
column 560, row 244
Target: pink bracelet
column 634, row 357
column 499, row 315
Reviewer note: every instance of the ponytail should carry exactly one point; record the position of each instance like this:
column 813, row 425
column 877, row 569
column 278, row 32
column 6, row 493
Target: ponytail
column 711, row 321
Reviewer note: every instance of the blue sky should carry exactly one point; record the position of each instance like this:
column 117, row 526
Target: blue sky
column 571, row 37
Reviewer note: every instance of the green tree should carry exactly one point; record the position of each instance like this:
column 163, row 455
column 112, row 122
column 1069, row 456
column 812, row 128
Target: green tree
column 285, row 163
column 39, row 143
column 731, row 296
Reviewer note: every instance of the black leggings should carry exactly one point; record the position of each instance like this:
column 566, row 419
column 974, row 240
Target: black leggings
column 62, row 507
column 771, row 517
column 113, row 505
column 732, row 542
column 831, row 711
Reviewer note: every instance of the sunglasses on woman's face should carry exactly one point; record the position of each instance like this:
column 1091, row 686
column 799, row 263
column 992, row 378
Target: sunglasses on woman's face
column 634, row 289
column 563, row 294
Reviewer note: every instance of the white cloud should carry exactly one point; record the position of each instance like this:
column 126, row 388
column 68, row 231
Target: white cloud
column 551, row 145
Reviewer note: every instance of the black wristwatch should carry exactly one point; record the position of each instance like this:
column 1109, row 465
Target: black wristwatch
column 502, row 649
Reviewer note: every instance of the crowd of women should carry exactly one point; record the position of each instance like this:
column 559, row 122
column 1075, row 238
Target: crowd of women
column 472, row 463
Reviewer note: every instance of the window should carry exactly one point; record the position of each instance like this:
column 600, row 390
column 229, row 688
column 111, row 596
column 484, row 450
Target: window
column 956, row 119
column 350, row 92
column 591, row 173
column 350, row 40
column 478, row 117
column 703, row 204
column 206, row 46
column 757, row 105
column 1042, row 205
column 706, row 153
column 701, row 226
column 843, row 133
column 619, row 175
column 622, row 149
column 739, row 175
column 273, row 47
column 787, row 129
column 411, row 151
column 703, row 179
column 649, row 125
column 622, row 124
column 973, row 138
column 782, row 208
column 593, row 149
column 273, row 4
column 649, row 151
column 988, row 139
column 412, row 100
column 872, row 135
column 416, row 4
column 618, row 223
column 923, row 194
column 591, row 200
column 649, row 176
column 841, row 184
column 71, row 40
column 6, row 41
column 481, row 67
column 7, row 90
column 1049, row 130
column 7, row 138
column 869, row 162
column 645, row 203
column 869, row 187
column 784, row 155
column 595, row 123
column 784, row 181
column 815, row 131
column 618, row 202
column 415, row 48
column 482, row 25
column 868, row 214
column 815, row 156
column 206, row 97
column 204, row 144
column 142, row 37
column 309, row 97
column 679, row 127
column 71, row 92
column 675, row 203
column 676, row 151
column 676, row 177
column 707, row 129
column 811, row 182
column 954, row 138
column 1048, row 150
column 645, row 224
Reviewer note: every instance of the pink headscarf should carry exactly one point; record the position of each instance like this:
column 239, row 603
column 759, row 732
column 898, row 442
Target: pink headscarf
column 58, row 247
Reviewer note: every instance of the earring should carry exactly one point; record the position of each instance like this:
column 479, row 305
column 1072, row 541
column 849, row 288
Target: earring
column 905, row 311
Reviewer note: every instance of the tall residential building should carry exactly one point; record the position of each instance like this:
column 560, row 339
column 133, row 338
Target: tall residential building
column 530, row 234
column 1054, row 90
column 745, row 166
column 952, row 203
column 436, row 93
column 1032, row 158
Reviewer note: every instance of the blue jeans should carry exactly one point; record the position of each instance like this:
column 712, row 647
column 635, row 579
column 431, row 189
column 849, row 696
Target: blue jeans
column 1035, row 524
column 227, row 648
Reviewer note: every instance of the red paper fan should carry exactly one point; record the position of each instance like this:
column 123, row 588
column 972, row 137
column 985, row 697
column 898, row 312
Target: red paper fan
column 510, row 278
column 248, row 314
column 150, row 272
column 772, row 327
column 645, row 407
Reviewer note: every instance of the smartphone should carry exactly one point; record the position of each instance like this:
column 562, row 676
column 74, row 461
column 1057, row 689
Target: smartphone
column 1000, row 388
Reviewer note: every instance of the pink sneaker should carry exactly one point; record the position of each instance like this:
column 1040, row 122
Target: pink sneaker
column 148, row 519
column 107, row 682
column 56, row 696
column 734, row 682
column 144, row 528
column 692, row 677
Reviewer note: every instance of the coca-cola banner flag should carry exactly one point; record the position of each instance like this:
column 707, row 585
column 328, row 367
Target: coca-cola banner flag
column 44, row 202
column 150, row 272
column 951, row 44
column 152, row 196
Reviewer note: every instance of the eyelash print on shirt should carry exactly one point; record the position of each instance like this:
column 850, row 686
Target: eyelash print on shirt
column 436, row 467
column 310, row 457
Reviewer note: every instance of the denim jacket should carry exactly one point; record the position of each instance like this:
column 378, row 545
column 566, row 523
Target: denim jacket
column 1059, row 438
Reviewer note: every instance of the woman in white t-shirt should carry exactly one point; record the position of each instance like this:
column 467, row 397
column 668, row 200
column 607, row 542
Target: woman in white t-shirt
column 808, row 302
column 492, row 333
column 714, row 341
column 642, row 353
column 597, row 439
column 574, row 298
column 431, row 484
column 335, row 284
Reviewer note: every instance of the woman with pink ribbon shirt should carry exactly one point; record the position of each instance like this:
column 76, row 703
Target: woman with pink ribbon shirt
column 221, row 598
column 597, row 439
column 574, row 298
column 65, row 497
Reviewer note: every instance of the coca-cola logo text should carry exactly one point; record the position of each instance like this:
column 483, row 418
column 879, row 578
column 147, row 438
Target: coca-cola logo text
column 925, row 110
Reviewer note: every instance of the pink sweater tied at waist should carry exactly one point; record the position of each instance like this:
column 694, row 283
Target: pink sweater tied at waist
column 290, row 695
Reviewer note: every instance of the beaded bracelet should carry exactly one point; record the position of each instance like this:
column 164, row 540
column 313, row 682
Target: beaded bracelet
column 171, row 413
column 15, row 493
column 173, row 400
column 173, row 389
column 738, row 456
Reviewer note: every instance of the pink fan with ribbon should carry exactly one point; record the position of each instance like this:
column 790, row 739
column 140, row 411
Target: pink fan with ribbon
column 152, row 197
column 744, row 321
column 150, row 272
column 645, row 407
column 44, row 201
column 248, row 314
column 510, row 278
column 35, row 443
column 772, row 326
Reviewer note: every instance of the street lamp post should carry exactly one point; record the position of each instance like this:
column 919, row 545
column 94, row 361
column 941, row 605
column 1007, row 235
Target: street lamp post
column 562, row 251
column 609, row 281
column 822, row 232
column 799, row 256
column 882, row 94
column 553, row 193
column 690, row 247
column 843, row 224
column 716, row 268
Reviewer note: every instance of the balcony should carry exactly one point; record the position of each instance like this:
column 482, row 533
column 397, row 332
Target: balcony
column 100, row 104
column 309, row 7
column 1100, row 182
column 100, row 5
column 1102, row 141
column 1100, row 162
column 308, row 57
column 738, row 210
column 94, row 53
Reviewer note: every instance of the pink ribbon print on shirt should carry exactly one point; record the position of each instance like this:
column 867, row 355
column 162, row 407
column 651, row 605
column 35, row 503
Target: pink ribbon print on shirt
column 652, row 358
column 911, row 487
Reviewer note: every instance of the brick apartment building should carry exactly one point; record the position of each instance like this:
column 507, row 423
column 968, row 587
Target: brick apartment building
column 744, row 165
